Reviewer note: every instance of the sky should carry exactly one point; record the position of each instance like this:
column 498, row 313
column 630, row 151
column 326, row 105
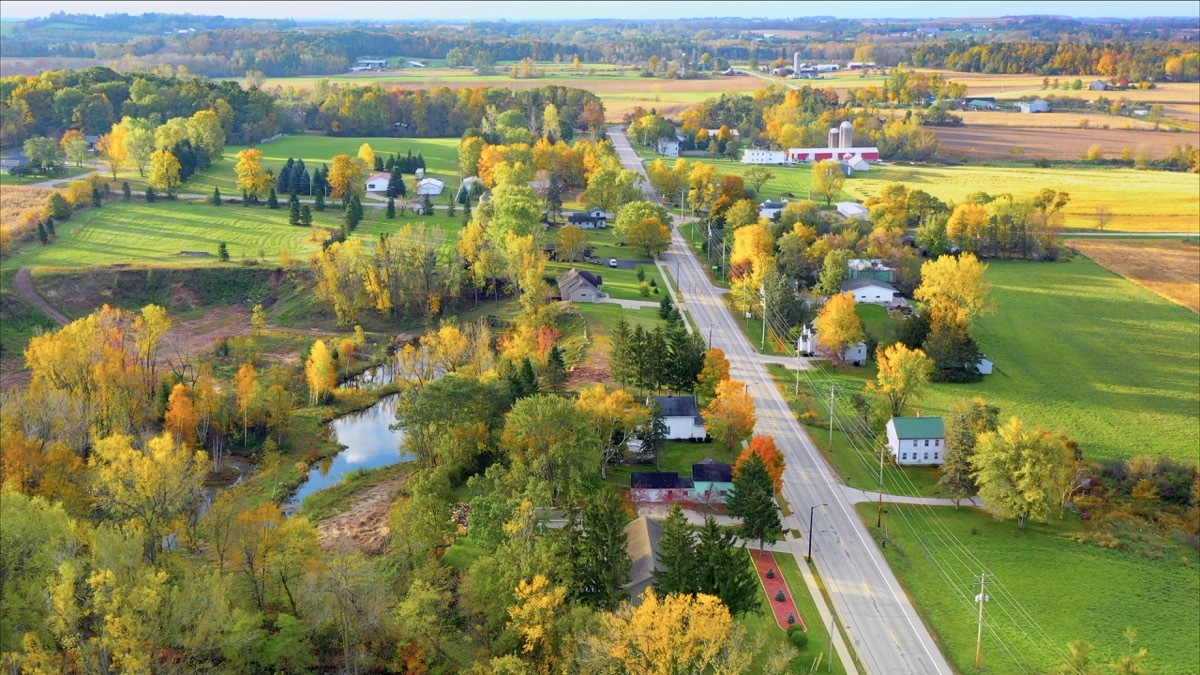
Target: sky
column 616, row 9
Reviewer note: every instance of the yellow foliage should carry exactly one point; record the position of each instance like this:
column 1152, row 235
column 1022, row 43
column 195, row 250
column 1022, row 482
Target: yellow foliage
column 954, row 290
column 252, row 178
column 730, row 417
column 667, row 636
column 838, row 326
column 538, row 604
column 319, row 371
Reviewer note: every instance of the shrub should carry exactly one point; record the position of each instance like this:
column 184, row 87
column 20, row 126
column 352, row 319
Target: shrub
column 780, row 596
column 644, row 288
column 771, row 573
column 800, row 639
column 792, row 629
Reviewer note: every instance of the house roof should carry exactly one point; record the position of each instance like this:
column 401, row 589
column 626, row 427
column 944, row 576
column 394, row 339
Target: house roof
column 379, row 176
column 713, row 471
column 659, row 480
column 641, row 543
column 586, row 217
column 678, row 406
column 774, row 205
column 432, row 181
column 574, row 279
column 918, row 427
column 864, row 282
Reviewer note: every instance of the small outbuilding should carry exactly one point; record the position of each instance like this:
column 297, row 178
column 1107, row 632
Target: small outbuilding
column 917, row 440
column 430, row 186
column 984, row 366
column 712, row 481
column 852, row 210
column 1038, row 106
column 1098, row 85
column 580, row 286
column 870, row 291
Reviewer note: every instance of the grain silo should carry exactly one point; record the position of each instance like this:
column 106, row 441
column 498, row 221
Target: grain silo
column 833, row 138
column 796, row 64
column 847, row 134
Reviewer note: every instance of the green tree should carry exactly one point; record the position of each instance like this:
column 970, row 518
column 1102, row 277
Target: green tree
column 126, row 190
column 58, row 207
column 554, row 376
column 724, row 570
column 223, row 252
column 215, row 200
column 753, row 501
column 294, row 213
column 272, row 200
column 828, row 179
column 42, row 237
column 598, row 549
column 635, row 212
column 96, row 201
column 834, row 271
column 391, row 208
column 1020, row 471
column 965, row 423
column 676, row 555
column 306, row 217
column 758, row 176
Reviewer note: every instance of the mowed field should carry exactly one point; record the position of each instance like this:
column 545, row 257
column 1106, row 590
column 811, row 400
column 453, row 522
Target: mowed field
column 1141, row 201
column 1169, row 268
column 976, row 142
column 155, row 234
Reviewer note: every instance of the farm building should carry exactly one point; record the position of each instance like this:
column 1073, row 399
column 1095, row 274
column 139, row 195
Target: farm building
column 414, row 64
column 869, row 291
column 852, row 210
column 378, row 182
column 430, row 186
column 1038, row 106
column 682, row 418
column 807, row 345
column 770, row 209
column 580, row 286
column 755, row 156
column 917, row 440
column 857, row 65
column 980, row 104
column 827, row 67
column 659, row 487
column 870, row 268
column 1098, row 85
column 712, row 481
column 594, row 219
column 465, row 187
column 641, row 543
column 855, row 163
column 667, row 146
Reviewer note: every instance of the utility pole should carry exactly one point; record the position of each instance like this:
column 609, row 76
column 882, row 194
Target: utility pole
column 763, row 289
column 879, row 518
column 981, row 598
column 832, row 388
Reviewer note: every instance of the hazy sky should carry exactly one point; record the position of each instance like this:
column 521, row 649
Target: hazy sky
column 515, row 11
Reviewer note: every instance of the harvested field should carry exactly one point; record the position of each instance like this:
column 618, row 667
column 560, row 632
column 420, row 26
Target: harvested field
column 1051, row 120
column 17, row 202
column 995, row 142
column 1167, row 268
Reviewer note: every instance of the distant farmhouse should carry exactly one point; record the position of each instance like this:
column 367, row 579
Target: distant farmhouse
column 378, row 182
column 591, row 220
column 917, row 440
column 807, row 346
column 682, row 417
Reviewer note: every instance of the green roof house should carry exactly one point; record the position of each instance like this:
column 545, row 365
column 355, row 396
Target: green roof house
column 917, row 440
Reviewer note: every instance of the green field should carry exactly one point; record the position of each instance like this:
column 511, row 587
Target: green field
column 155, row 234
column 66, row 173
column 1070, row 591
column 790, row 182
column 1146, row 201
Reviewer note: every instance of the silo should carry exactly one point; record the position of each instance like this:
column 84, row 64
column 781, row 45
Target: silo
column 796, row 64
column 833, row 138
column 847, row 133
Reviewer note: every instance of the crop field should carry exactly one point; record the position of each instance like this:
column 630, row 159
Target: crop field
column 999, row 142
column 1069, row 591
column 1168, row 268
column 1140, row 201
column 156, row 234
column 1052, row 120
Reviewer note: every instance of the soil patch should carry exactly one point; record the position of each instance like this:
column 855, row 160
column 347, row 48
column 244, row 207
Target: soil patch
column 1168, row 268
column 188, row 338
column 364, row 526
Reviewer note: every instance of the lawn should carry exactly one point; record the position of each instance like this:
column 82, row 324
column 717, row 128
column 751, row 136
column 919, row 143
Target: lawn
column 155, row 234
column 1146, row 201
column 1045, row 591
column 64, row 174
column 789, row 182
column 618, row 282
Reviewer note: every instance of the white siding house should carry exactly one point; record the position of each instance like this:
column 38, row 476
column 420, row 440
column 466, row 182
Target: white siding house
column 682, row 418
column 594, row 219
column 807, row 344
column 917, row 440
column 668, row 147
column 378, row 182
column 770, row 209
column 756, row 156
column 867, row 290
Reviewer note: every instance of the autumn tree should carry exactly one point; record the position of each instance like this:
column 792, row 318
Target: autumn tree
column 138, row 137
column 753, row 500
column 730, row 415
column 320, row 372
column 954, row 291
column 347, row 177
column 74, row 146
column 366, row 155
column 252, row 179
column 1020, row 471
column 758, row 176
column 611, row 187
column 714, row 371
column 340, row 279
column 828, row 179
column 180, row 418
column 546, row 438
column 612, row 414
column 766, row 450
column 111, row 149
column 834, row 271
column 651, row 236
column 966, row 422
column 164, row 171
column 637, row 212
column 838, row 326
column 966, row 225
column 536, row 617
column 903, row 374
column 572, row 242
column 246, row 389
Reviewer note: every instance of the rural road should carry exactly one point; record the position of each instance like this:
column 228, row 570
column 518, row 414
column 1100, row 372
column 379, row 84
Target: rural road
column 23, row 284
column 885, row 629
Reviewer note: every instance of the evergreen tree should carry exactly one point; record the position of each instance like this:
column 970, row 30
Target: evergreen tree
column 223, row 252
column 554, row 202
column 554, row 377
column 306, row 217
column 50, row 227
column 666, row 308
column 966, row 422
column 95, row 196
column 723, row 570
column 272, row 200
column 300, row 181
column 654, row 435
column 41, row 233
column 245, row 198
column 151, row 196
column 427, row 206
column 753, row 501
column 467, row 212
column 420, row 161
column 126, row 191
column 319, row 202
column 450, row 209
column 294, row 213
column 293, row 199
column 354, row 213
column 390, row 164
column 686, row 358
column 677, row 555
column 619, row 356
column 521, row 380
column 601, row 562
column 378, row 163
column 391, row 208
column 395, row 186
column 215, row 199
column 283, row 182
column 954, row 353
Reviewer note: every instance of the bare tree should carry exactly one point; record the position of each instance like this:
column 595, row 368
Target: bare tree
column 1103, row 216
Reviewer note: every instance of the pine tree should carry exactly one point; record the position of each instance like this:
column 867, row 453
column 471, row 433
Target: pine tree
column 41, row 233
column 126, row 191
column 686, row 357
column 354, row 213
column 306, row 217
column 50, row 227
column 655, row 433
column 619, row 356
column 554, row 377
column 753, row 501
column 272, row 200
column 522, row 381
column 223, row 252
column 215, row 200
column 420, row 161
column 395, row 186
column 95, row 196
column 677, row 555
column 554, row 202
column 391, row 208
column 723, row 570
column 427, row 206
column 601, row 563
column 319, row 202
column 378, row 163
column 294, row 213
column 284, row 181
column 150, row 195
column 300, row 182
column 293, row 199
column 450, row 209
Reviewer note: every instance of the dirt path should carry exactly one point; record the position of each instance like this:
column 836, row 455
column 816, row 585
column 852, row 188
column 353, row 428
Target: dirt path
column 364, row 526
column 23, row 284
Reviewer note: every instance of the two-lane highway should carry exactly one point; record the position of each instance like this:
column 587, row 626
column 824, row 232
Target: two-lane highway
column 883, row 626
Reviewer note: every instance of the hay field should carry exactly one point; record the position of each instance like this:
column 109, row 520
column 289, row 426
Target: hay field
column 1141, row 201
column 1168, row 268
column 994, row 142
column 1051, row 120
column 17, row 204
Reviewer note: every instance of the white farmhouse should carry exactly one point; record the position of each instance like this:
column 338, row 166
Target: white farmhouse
column 807, row 346
column 591, row 220
column 867, row 290
column 378, row 182
column 682, row 418
column 917, row 440
column 756, row 156
column 430, row 186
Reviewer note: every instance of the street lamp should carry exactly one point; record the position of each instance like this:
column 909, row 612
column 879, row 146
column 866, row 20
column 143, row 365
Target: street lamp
column 808, row 557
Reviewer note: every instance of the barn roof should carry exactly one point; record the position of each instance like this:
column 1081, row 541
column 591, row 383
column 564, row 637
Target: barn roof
column 678, row 406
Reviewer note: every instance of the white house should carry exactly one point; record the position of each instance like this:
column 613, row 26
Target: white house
column 1038, row 106
column 378, row 182
column 769, row 209
column 756, row 156
column 580, row 286
column 667, row 146
column 594, row 219
column 430, row 186
column 807, row 344
column 869, row 291
column 852, row 210
column 917, row 440
column 682, row 418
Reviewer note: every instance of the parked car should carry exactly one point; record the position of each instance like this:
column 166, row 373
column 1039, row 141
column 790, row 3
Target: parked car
column 612, row 262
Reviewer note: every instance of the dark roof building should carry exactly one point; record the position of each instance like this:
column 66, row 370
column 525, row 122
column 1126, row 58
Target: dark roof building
column 678, row 406
column 865, row 282
column 711, row 470
column 659, row 480
column 579, row 285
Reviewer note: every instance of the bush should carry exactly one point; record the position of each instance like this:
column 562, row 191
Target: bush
column 793, row 629
column 644, row 289
column 780, row 596
column 800, row 639
column 771, row 573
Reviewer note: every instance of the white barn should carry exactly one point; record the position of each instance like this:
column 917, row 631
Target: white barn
column 917, row 440
column 869, row 291
column 756, row 156
column 852, row 210
column 682, row 418
column 378, row 182
column 430, row 186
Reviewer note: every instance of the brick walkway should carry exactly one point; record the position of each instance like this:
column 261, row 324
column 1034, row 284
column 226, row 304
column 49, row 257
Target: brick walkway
column 764, row 562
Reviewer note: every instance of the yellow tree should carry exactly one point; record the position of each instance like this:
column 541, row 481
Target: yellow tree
column 164, row 171
column 535, row 615
column 572, row 242
column 903, row 374
column 730, row 416
column 246, row 387
column 702, row 179
column 204, row 128
column 347, row 177
column 180, row 419
column 111, row 148
column 838, row 326
column 828, row 179
column 340, row 280
column 319, row 371
column 966, row 225
column 954, row 291
column 650, row 235
column 1021, row 471
column 714, row 371
column 366, row 155
column 449, row 348
column 609, row 413
column 151, row 487
column 252, row 178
